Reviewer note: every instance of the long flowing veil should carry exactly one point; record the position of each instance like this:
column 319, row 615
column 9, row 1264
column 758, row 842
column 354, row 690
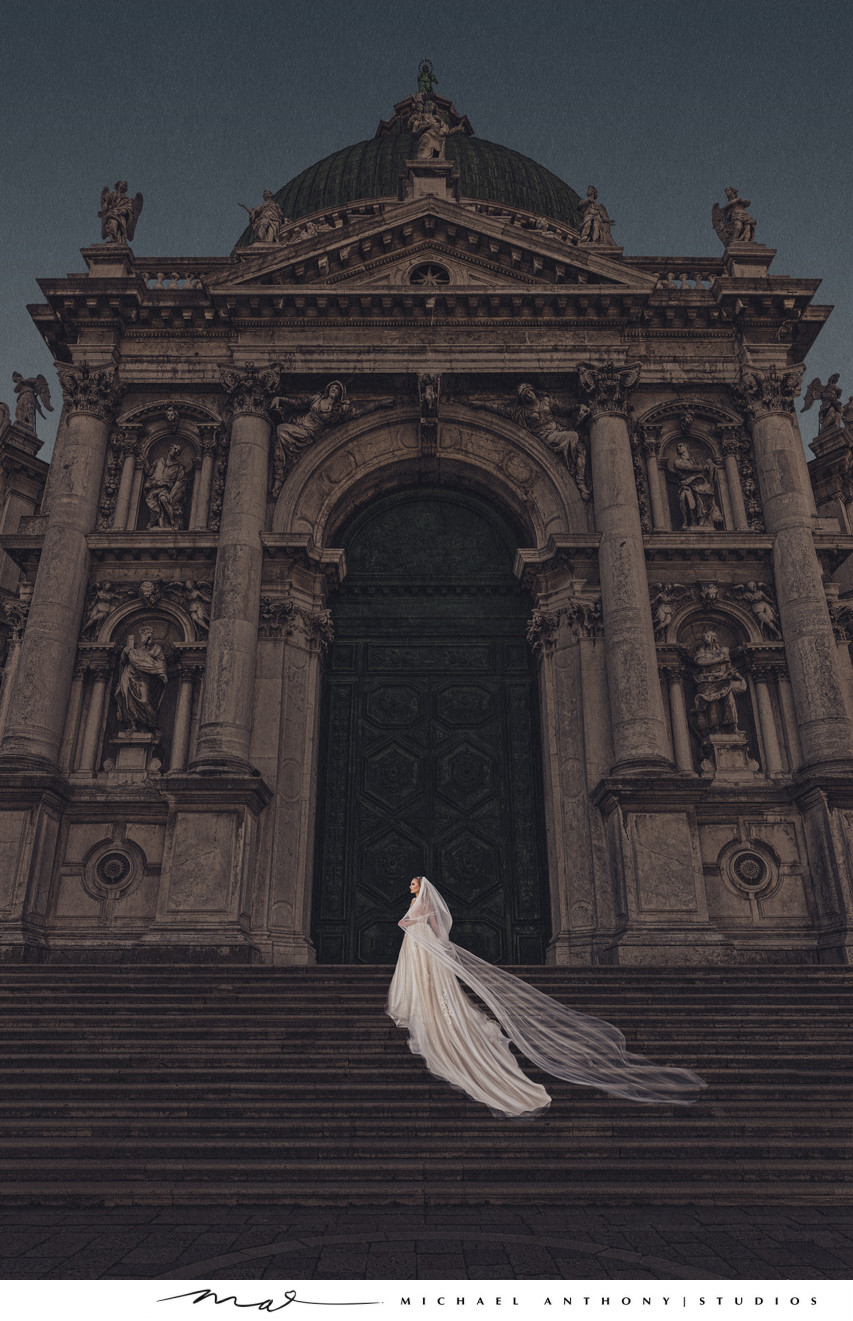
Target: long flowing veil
column 570, row 1045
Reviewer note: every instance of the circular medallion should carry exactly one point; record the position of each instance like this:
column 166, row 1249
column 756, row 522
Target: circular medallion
column 750, row 869
column 113, row 868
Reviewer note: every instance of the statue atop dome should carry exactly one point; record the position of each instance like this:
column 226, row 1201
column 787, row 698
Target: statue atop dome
column 596, row 221
column 431, row 130
column 267, row 220
column 426, row 77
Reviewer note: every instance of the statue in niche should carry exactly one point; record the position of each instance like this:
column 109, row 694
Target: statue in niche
column 538, row 414
column 312, row 415
column 164, row 489
column 198, row 601
column 267, row 221
column 29, row 390
column 830, row 414
column 119, row 213
column 142, row 681
column 697, row 499
column 596, row 222
column 761, row 606
column 732, row 222
column 430, row 130
column 717, row 683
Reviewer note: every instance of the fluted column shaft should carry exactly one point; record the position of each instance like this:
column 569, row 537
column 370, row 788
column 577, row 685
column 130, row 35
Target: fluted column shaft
column 636, row 702
column 226, row 716
column 825, row 728
column 183, row 718
column 38, row 702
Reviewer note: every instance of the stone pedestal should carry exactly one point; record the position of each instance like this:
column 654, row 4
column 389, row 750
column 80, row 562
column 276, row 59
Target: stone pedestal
column 729, row 760
column 429, row 179
column 137, row 753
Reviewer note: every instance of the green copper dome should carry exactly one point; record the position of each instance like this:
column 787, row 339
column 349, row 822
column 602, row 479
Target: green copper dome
column 372, row 169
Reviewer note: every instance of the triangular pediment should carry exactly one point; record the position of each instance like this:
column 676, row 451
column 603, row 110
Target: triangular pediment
column 431, row 242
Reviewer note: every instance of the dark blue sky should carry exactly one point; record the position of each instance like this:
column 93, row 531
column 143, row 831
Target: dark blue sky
column 202, row 104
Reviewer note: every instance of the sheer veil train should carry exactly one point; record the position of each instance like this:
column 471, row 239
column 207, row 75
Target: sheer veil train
column 468, row 1049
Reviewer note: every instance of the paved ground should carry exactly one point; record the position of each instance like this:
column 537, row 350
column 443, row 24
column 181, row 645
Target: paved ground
column 475, row 1243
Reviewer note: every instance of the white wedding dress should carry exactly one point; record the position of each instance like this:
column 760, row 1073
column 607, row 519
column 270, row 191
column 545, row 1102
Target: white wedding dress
column 466, row 1048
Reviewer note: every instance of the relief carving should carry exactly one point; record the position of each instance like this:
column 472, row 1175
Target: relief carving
column 429, row 390
column 307, row 417
column 105, row 597
column 538, row 414
column 666, row 598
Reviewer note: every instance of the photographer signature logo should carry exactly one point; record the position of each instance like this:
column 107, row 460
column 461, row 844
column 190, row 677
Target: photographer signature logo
column 264, row 1304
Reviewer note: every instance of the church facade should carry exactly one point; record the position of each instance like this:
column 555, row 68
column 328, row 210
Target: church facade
column 428, row 533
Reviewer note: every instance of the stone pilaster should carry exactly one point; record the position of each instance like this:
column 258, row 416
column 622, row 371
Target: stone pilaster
column 636, row 704
column 226, row 716
column 38, row 699
column 825, row 729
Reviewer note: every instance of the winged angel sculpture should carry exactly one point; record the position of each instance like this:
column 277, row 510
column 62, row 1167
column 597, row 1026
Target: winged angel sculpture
column 732, row 222
column 29, row 390
column 831, row 413
column 119, row 213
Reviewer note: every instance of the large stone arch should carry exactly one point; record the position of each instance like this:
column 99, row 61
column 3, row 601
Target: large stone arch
column 323, row 493
column 492, row 457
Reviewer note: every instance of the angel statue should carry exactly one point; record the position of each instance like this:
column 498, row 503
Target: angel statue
column 306, row 417
column 198, row 599
column 267, row 220
column 119, row 213
column 538, row 413
column 761, row 606
column 596, row 221
column 27, row 388
column 831, row 413
column 732, row 222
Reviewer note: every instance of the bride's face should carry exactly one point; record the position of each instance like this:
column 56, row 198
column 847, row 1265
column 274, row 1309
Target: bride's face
column 415, row 885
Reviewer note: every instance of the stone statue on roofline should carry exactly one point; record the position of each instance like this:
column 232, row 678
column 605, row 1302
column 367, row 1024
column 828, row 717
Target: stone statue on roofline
column 426, row 78
column 732, row 222
column 831, row 413
column 267, row 220
column 119, row 213
column 29, row 390
column 596, row 222
column 431, row 131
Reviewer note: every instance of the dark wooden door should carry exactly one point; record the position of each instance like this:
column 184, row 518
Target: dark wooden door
column 429, row 761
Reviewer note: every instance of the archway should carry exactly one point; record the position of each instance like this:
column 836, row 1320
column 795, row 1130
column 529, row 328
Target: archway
column 429, row 750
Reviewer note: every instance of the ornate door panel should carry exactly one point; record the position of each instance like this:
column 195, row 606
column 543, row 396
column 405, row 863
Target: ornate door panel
column 431, row 751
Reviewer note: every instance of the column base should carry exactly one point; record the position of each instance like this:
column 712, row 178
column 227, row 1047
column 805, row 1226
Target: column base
column 642, row 765
column 221, row 766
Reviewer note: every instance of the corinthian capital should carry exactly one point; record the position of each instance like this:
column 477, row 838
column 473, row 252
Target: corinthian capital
column 85, row 391
column 250, row 389
column 607, row 386
column 767, row 392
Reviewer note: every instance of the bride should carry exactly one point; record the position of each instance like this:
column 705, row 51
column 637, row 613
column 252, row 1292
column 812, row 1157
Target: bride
column 471, row 1051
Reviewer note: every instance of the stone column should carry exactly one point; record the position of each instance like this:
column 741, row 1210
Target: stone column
column 100, row 672
column 678, row 719
column 202, row 505
column 183, row 717
column 825, row 728
column 226, row 717
column 636, row 703
column 789, row 715
column 651, row 449
column 72, row 721
column 730, row 443
column 128, row 444
column 769, row 736
column 135, row 493
column 38, row 702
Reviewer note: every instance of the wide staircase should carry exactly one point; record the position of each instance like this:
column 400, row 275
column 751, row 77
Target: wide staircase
column 128, row 1084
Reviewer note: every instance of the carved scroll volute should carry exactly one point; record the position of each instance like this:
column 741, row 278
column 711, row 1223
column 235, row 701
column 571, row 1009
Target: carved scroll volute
column 607, row 387
column 760, row 393
column 251, row 389
column 92, row 392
